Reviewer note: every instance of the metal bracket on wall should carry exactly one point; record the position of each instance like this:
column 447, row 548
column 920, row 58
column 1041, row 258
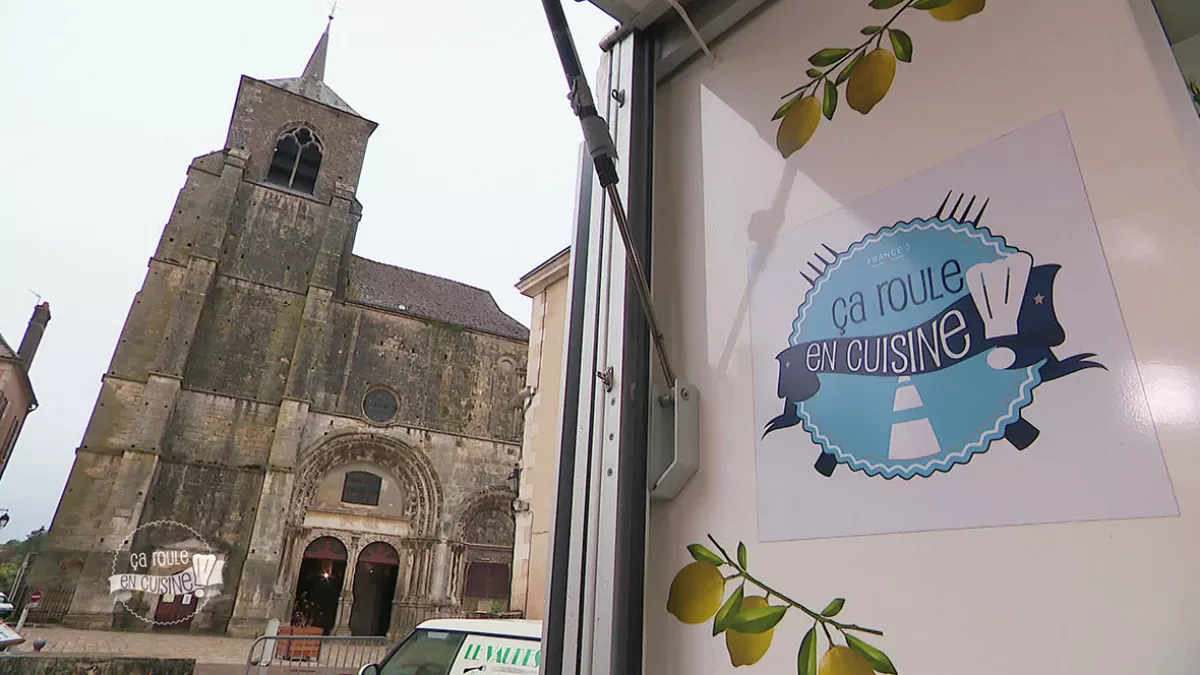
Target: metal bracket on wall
column 674, row 440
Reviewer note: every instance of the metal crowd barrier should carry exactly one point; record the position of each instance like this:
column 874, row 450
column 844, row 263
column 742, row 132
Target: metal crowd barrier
column 313, row 654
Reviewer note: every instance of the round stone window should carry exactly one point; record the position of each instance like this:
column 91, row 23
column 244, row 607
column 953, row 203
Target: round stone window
column 380, row 405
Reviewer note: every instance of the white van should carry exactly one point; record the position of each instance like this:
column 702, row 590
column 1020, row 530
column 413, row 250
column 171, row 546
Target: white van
column 456, row 646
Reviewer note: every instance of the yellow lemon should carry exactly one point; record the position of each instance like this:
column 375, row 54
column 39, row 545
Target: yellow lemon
column 957, row 10
column 696, row 592
column 844, row 661
column 745, row 649
column 798, row 125
column 870, row 80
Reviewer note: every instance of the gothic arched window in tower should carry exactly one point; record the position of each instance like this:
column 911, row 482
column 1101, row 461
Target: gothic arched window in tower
column 296, row 161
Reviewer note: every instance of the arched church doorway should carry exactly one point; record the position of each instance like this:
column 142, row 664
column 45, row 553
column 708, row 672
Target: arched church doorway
column 319, row 585
column 375, row 576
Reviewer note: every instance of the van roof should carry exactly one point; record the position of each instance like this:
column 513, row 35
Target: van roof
column 519, row 628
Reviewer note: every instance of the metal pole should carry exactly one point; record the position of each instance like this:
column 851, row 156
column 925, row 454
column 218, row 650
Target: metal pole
column 24, row 615
column 604, row 155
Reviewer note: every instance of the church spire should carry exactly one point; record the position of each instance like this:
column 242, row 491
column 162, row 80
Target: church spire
column 314, row 71
column 311, row 84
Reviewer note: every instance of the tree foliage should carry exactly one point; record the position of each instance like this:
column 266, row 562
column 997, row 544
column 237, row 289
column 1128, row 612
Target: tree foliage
column 12, row 554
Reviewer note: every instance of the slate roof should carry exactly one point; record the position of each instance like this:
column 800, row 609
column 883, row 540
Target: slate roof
column 5, row 350
column 424, row 295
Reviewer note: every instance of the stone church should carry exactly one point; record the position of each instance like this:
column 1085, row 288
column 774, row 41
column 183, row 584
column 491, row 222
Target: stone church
column 342, row 434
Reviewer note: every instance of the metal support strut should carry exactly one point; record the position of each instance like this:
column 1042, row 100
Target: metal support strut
column 604, row 156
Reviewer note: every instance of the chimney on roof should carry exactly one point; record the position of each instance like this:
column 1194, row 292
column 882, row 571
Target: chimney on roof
column 33, row 334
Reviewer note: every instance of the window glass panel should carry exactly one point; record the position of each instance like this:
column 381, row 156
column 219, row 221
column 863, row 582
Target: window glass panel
column 361, row 488
column 380, row 405
column 306, row 170
column 283, row 161
column 1181, row 22
column 426, row 652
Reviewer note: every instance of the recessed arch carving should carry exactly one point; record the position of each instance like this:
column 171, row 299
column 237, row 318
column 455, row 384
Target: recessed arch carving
column 485, row 518
column 326, row 548
column 419, row 481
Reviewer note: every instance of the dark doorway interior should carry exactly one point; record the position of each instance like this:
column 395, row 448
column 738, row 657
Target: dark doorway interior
column 375, row 578
column 175, row 612
column 319, row 585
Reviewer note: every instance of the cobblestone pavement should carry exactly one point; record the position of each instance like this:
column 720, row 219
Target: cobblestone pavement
column 203, row 648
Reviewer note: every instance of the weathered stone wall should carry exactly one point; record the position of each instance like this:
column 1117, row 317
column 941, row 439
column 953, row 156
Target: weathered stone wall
column 245, row 340
column 445, row 378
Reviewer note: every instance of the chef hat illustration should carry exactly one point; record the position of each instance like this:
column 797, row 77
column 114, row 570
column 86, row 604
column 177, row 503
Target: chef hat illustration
column 998, row 289
column 208, row 572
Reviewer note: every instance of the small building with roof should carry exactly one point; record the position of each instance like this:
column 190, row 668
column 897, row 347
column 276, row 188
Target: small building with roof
column 17, row 399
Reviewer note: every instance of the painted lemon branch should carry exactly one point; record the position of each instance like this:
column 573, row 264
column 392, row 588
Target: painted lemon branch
column 874, row 34
column 816, row 616
column 867, row 72
column 747, row 619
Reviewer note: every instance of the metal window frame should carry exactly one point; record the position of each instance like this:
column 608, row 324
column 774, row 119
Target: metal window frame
column 595, row 608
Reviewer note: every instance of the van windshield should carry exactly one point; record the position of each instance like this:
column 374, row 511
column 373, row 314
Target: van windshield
column 425, row 652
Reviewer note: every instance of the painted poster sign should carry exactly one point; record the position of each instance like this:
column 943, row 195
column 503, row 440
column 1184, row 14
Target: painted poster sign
column 950, row 353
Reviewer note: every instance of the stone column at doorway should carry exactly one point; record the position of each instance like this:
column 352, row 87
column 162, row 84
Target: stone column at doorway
column 346, row 599
column 403, row 579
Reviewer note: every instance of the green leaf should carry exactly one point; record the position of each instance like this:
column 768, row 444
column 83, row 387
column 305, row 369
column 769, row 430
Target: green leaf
column 828, row 56
column 829, row 105
column 902, row 43
column 729, row 610
column 878, row 660
column 806, row 662
column 931, row 4
column 871, row 30
column 742, row 554
column 885, row 4
column 783, row 109
column 834, row 607
column 758, row 619
column 845, row 74
column 814, row 73
column 702, row 554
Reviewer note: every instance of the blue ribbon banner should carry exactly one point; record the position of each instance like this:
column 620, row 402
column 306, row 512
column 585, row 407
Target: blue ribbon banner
column 953, row 335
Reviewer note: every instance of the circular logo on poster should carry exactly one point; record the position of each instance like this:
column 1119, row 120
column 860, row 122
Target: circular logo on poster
column 918, row 347
column 168, row 559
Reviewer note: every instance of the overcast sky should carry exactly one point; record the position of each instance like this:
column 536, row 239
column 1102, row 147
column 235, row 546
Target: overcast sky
column 471, row 174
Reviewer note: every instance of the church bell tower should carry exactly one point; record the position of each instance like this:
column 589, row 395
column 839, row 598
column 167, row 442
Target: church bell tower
column 202, row 406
